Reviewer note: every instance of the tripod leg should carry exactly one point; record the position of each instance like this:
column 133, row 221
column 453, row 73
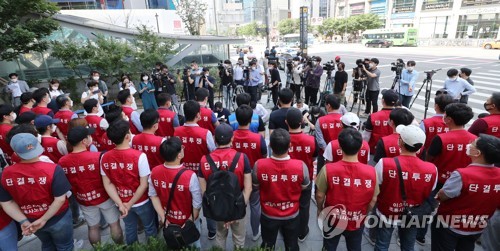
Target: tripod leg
column 416, row 96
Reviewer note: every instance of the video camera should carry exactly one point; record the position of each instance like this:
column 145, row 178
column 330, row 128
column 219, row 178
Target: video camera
column 289, row 65
column 329, row 66
column 397, row 67
column 310, row 62
column 221, row 66
column 431, row 72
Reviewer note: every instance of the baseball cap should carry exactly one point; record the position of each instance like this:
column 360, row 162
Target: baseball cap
column 26, row 146
column 25, row 117
column 223, row 132
column 44, row 121
column 390, row 97
column 337, row 58
column 411, row 134
column 350, row 119
column 79, row 133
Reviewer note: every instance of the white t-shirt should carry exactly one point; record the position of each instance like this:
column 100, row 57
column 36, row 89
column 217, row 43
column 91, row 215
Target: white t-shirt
column 96, row 97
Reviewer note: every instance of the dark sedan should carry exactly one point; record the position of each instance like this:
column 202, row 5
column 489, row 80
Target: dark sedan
column 379, row 43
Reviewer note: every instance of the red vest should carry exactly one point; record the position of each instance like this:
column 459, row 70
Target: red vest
column 345, row 179
column 302, row 147
column 4, row 129
column 433, row 126
column 452, row 154
column 391, row 145
column 30, row 185
column 181, row 206
column 150, row 145
column 84, row 174
column 478, row 200
column 493, row 122
column 65, row 117
column 39, row 110
column 331, row 126
column 419, row 179
column 4, row 219
column 122, row 169
column 362, row 154
column 206, row 119
column 223, row 159
column 50, row 145
column 128, row 111
column 166, row 123
column 24, row 109
column 94, row 121
column 284, row 176
column 248, row 142
column 381, row 127
column 106, row 144
column 194, row 140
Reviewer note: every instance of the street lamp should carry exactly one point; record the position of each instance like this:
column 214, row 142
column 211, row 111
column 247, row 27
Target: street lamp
column 157, row 24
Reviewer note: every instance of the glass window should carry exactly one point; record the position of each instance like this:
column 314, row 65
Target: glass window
column 478, row 26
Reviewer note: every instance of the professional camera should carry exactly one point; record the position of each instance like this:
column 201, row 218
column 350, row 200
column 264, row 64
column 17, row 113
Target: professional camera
column 186, row 71
column 367, row 66
column 221, row 66
column 289, row 65
column 310, row 62
column 397, row 67
column 329, row 66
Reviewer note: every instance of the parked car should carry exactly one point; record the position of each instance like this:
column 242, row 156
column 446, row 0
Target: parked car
column 491, row 45
column 379, row 43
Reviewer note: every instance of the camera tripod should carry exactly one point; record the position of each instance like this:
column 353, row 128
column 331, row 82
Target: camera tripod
column 327, row 89
column 358, row 96
column 428, row 89
column 397, row 80
column 289, row 78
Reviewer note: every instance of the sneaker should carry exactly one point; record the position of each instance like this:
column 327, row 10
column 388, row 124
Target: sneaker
column 256, row 237
column 211, row 236
column 79, row 222
column 302, row 239
column 366, row 233
column 420, row 241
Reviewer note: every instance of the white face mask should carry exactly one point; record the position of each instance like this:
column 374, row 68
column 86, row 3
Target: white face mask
column 39, row 138
column 13, row 117
column 95, row 78
column 126, row 118
column 71, row 103
column 95, row 89
column 410, row 68
column 55, row 87
column 253, row 68
column 372, row 65
column 13, row 80
column 468, row 149
column 50, row 99
column 295, row 62
column 145, row 78
column 54, row 128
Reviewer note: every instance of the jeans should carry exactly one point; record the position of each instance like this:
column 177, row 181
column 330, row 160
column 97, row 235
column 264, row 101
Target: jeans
column 405, row 100
column 58, row 236
column 288, row 229
column 8, row 237
column 449, row 240
column 304, row 204
column 352, row 241
column 371, row 100
column 148, row 218
column 211, row 226
column 406, row 236
column 255, row 211
column 311, row 95
column 226, row 94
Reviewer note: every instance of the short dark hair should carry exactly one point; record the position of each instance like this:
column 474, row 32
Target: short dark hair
column 466, row 71
column 460, row 113
column 218, row 104
column 92, row 83
column 22, row 128
column 145, row 74
column 280, row 141
column 163, row 98
column 149, row 117
column 244, row 115
column 411, row 63
column 123, row 95
column 113, row 114
column 350, row 141
column 171, row 148
column 5, row 110
column 194, row 62
column 243, row 99
column 13, row 74
column 443, row 100
column 333, row 101
column 375, row 60
column 61, row 100
column 285, row 96
column 191, row 109
column 495, row 99
column 490, row 148
column 26, row 97
column 118, row 130
column 201, row 94
column 89, row 104
column 294, row 118
column 39, row 94
column 227, row 61
column 452, row 72
column 401, row 116
column 94, row 72
column 412, row 149
column 158, row 63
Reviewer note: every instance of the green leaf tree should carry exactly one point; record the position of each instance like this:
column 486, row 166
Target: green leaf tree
column 73, row 55
column 367, row 22
column 248, row 29
column 192, row 13
column 150, row 48
column 23, row 26
column 288, row 26
column 329, row 27
column 112, row 57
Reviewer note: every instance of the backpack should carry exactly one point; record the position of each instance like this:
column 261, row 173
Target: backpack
column 223, row 199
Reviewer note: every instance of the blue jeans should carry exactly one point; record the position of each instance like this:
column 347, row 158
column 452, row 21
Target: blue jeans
column 8, row 237
column 58, row 236
column 407, row 237
column 148, row 217
column 352, row 241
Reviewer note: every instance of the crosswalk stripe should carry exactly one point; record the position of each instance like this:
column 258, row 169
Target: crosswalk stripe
column 494, row 71
column 477, row 76
column 487, row 74
column 475, row 86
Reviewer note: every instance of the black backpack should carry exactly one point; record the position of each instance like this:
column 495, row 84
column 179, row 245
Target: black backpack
column 223, row 199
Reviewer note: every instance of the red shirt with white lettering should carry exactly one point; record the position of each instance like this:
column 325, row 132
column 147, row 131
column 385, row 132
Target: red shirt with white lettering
column 49, row 143
column 24, row 109
column 65, row 117
column 433, row 126
column 166, row 123
column 94, row 121
column 40, row 110
column 337, row 154
column 380, row 127
column 331, row 126
column 194, row 140
column 249, row 143
column 4, row 129
column 223, row 157
column 150, row 145
column 303, row 147
column 206, row 119
column 128, row 111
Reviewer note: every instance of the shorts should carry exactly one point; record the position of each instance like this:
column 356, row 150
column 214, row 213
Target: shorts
column 108, row 209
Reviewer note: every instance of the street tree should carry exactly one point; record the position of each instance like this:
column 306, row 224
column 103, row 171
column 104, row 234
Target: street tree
column 248, row 29
column 288, row 26
column 192, row 13
column 149, row 48
column 74, row 55
column 366, row 22
column 23, row 26
column 112, row 57
column 329, row 27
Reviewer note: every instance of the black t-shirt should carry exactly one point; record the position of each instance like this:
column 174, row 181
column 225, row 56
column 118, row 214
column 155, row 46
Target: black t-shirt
column 277, row 119
column 340, row 78
column 275, row 76
column 168, row 86
column 225, row 79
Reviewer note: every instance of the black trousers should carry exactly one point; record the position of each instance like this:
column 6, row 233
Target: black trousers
column 288, row 228
column 275, row 91
column 252, row 90
column 443, row 239
column 296, row 90
column 311, row 95
column 211, row 99
column 352, row 240
column 371, row 100
column 304, row 204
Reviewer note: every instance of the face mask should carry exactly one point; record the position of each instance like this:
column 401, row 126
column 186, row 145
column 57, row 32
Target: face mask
column 13, row 80
column 295, row 62
column 145, row 78
column 315, row 63
column 48, row 101
column 468, row 149
column 453, row 78
column 13, row 117
column 410, row 68
column 372, row 65
column 39, row 138
column 54, row 127
column 95, row 78
column 126, row 119
column 253, row 68
column 71, row 103
column 95, row 89
column 55, row 87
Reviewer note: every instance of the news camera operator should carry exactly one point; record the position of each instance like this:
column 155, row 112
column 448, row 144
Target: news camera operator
column 372, row 87
column 156, row 76
column 168, row 85
column 226, row 76
column 407, row 83
column 208, row 82
column 188, row 81
column 358, row 80
column 296, row 85
column 275, row 82
column 254, row 78
column 314, row 71
column 238, row 72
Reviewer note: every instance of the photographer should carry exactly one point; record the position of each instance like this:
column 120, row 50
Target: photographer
column 358, row 78
column 253, row 80
column 196, row 74
column 407, row 83
column 373, row 87
column 296, row 85
column 208, row 82
column 275, row 82
column 168, row 85
column 314, row 72
column 188, row 83
column 340, row 84
column 156, row 76
column 226, row 76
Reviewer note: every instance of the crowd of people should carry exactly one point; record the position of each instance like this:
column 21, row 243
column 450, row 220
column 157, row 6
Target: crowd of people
column 158, row 171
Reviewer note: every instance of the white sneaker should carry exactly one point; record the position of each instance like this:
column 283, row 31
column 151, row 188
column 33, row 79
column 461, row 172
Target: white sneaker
column 256, row 237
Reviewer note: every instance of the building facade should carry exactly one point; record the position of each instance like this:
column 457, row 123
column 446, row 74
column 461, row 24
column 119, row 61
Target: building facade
column 114, row 4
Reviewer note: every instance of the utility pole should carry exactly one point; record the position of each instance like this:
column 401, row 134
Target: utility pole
column 216, row 22
column 157, row 24
column 267, row 24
